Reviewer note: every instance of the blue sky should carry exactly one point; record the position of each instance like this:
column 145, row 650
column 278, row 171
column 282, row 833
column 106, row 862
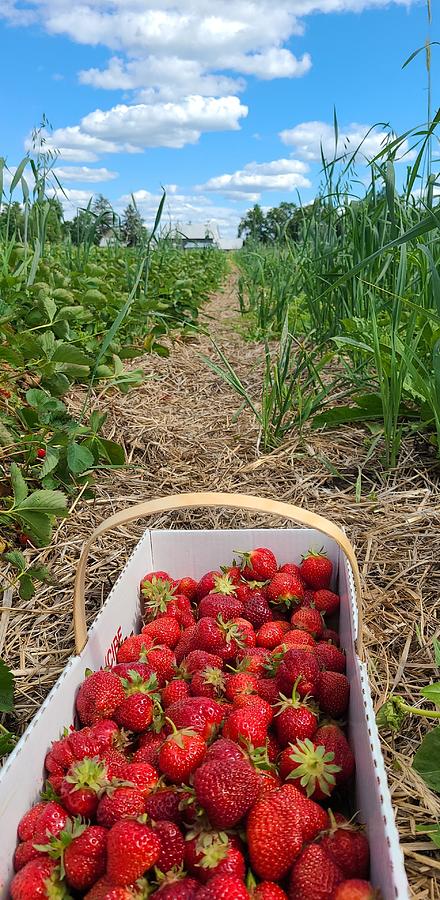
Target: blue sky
column 226, row 103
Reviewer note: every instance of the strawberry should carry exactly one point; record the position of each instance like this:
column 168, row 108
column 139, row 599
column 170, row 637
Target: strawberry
column 257, row 610
column 291, row 569
column 313, row 818
column 114, row 761
column 151, row 577
column 286, row 590
column 129, row 669
column 273, row 835
column 132, row 849
column 249, row 723
column 243, row 591
column 163, row 662
column 333, row 693
column 172, row 845
column 214, row 853
column 164, row 804
column 241, row 683
column 174, row 691
column 308, row 620
column 330, row 657
column 135, row 713
column 355, row 889
column 224, row 749
column 180, row 754
column 104, row 889
column 334, row 741
column 186, row 644
column 178, row 889
column 297, row 637
column 84, row 855
column 26, row 825
column 258, row 565
column 294, row 719
column 165, row 630
column 45, row 820
column 316, row 570
column 198, row 713
column 326, row 602
column 226, row 789
column 142, row 776
column 38, row 881
column 120, row 803
column 133, row 649
column 311, row 766
column 187, row 586
column 271, row 634
column 299, row 669
column 180, row 609
column 252, row 660
column 330, row 636
column 82, row 787
column 98, row 697
column 348, row 847
column 223, row 887
column 199, row 659
column 220, row 637
column 157, row 595
column 268, row 890
column 23, row 854
column 148, row 748
column 207, row 584
column 314, row 875
column 209, row 682
column 220, row 604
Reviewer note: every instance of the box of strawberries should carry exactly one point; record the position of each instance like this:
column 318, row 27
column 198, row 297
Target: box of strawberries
column 214, row 736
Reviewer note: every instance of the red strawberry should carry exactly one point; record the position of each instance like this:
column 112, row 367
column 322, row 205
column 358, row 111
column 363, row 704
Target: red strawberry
column 258, row 565
column 129, row 669
column 26, row 825
column 24, row 852
column 37, row 881
column 98, row 697
column 207, row 584
column 142, row 776
column 150, row 577
column 172, row 845
column 274, row 836
column 43, row 821
column 294, row 719
column 257, row 610
column 133, row 649
column 242, row 683
column 299, row 669
column 333, row 693
column 267, row 890
column 209, row 682
column 165, row 630
column 148, row 748
column 199, row 659
column 132, row 849
column 157, row 595
column 326, row 601
column 181, row 754
column 164, row 804
column 243, row 591
column 285, row 589
column 355, row 889
column 114, row 761
column 253, row 660
column 247, row 725
column 348, row 847
column 271, row 634
column 308, row 620
column 334, row 741
column 223, row 887
column 214, row 853
column 180, row 609
column 220, row 604
column 316, row 570
column 224, row 749
column 178, row 889
column 198, row 713
column 226, row 789
column 135, row 713
column 104, row 889
column 291, row 569
column 297, row 638
column 223, row 638
column 82, row 787
column 174, row 691
column 311, row 768
column 163, row 661
column 331, row 636
column 314, row 875
column 187, row 586
column 186, row 644
column 84, row 856
column 120, row 803
column 330, row 657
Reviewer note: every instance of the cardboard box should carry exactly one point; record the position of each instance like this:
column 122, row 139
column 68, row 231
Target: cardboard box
column 194, row 553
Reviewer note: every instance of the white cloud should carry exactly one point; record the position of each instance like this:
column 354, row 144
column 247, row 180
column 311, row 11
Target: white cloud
column 83, row 173
column 307, row 139
column 254, row 178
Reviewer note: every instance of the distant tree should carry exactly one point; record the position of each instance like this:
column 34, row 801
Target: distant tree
column 12, row 222
column 252, row 224
column 105, row 217
column 80, row 226
column 132, row 227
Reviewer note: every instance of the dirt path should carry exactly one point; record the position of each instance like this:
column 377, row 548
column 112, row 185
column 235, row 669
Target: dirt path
column 179, row 432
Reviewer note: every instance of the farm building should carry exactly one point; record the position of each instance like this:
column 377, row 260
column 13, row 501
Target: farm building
column 197, row 236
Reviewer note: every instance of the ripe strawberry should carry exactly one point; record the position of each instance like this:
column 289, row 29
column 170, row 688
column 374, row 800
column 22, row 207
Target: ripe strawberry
column 84, row 855
column 199, row 659
column 271, row 634
column 249, row 723
column 163, row 662
column 46, row 819
column 348, row 847
column 333, row 693
column 187, row 586
column 178, row 888
column 355, row 889
column 285, row 589
column 297, row 638
column 273, row 835
column 330, row 657
column 134, row 648
column 326, row 602
column 330, row 636
column 165, row 630
column 308, row 620
column 209, row 682
column 226, row 789
column 316, row 570
column 207, row 584
column 198, row 713
column 82, row 787
column 258, row 565
column 257, row 610
column 135, row 713
column 242, row 683
column 186, row 644
column 26, row 825
column 104, row 889
column 214, row 853
column 311, row 767
column 220, row 604
column 223, row 887
column 129, row 669
column 294, row 719
column 299, row 669
column 291, row 569
column 334, row 741
column 114, row 761
column 142, row 776
column 224, row 749
column 120, row 803
column 38, row 881
column 180, row 609
column 268, row 890
column 172, row 845
column 180, row 754
column 243, row 591
column 98, row 697
column 132, row 849
column 314, row 875
column 253, row 660
column 221, row 638
column 157, row 594
column 151, row 577
column 174, row 691
column 24, row 852
column 164, row 804
column 148, row 747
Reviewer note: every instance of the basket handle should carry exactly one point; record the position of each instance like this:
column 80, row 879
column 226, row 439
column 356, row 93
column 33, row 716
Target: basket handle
column 210, row 499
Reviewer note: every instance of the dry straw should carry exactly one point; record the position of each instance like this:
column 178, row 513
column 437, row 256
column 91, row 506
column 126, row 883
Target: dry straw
column 179, row 433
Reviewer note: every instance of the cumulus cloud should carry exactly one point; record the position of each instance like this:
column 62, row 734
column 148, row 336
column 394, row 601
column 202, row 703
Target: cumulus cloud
column 254, row 178
column 83, row 173
column 308, row 138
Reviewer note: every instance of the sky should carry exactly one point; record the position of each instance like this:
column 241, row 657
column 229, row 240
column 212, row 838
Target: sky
column 224, row 103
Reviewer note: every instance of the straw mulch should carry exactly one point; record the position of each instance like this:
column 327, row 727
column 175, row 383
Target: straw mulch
column 179, row 433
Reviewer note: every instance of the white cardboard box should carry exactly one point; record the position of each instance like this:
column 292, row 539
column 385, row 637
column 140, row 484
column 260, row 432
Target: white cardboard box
column 194, row 553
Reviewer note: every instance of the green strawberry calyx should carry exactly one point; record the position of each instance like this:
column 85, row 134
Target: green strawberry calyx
column 90, row 773
column 135, row 684
column 158, row 594
column 231, row 632
column 215, row 677
column 223, row 584
column 57, row 845
column 259, row 757
column 315, row 767
column 213, row 847
column 315, row 554
column 295, row 701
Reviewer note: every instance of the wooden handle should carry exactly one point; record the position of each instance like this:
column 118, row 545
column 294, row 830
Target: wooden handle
column 211, row 499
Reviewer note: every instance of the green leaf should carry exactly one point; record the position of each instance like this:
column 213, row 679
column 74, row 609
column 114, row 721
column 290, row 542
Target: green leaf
column 51, row 460
column 7, row 742
column 97, row 420
column 51, row 503
column 39, row 524
column 26, row 589
column 40, row 573
column 19, row 485
column 68, row 353
column 13, row 357
column 50, row 307
column 433, row 832
column 340, row 415
column 432, row 693
column 79, row 458
column 427, row 759
column 58, row 384
column 16, row 558
column 36, row 398
column 436, row 644
column 111, row 451
column 6, row 688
